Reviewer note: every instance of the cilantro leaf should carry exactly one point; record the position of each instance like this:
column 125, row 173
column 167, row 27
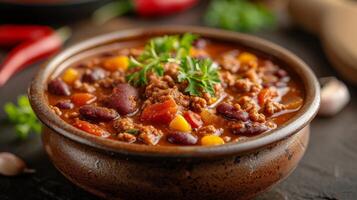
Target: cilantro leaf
column 22, row 117
column 201, row 76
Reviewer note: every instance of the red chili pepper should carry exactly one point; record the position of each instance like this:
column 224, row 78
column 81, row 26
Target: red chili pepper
column 145, row 8
column 11, row 35
column 28, row 52
column 161, row 7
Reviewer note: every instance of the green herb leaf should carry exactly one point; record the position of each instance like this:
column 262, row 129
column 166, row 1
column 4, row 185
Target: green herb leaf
column 240, row 15
column 133, row 131
column 201, row 76
column 22, row 117
column 157, row 52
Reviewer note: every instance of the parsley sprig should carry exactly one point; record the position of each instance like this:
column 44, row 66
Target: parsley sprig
column 22, row 117
column 201, row 76
column 157, row 52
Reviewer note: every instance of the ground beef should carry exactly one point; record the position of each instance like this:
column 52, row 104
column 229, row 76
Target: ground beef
column 118, row 76
column 162, row 95
column 232, row 125
column 230, row 62
column 106, row 82
column 126, row 137
column 146, row 134
column 255, row 89
column 157, row 84
column 149, row 135
column 247, row 103
column 123, row 124
column 71, row 115
column 83, row 87
column 252, row 75
column 171, row 69
column 115, row 78
column 251, row 66
column 56, row 110
column 271, row 124
column 197, row 104
column 243, row 85
column 208, row 130
column 255, row 116
column 272, row 107
column 218, row 89
column 163, row 88
column 227, row 79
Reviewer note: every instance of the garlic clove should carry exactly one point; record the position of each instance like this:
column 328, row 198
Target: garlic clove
column 11, row 165
column 334, row 96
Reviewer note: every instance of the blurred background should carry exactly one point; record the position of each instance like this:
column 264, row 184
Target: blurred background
column 321, row 32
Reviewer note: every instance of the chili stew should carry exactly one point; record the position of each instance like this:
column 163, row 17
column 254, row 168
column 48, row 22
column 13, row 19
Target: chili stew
column 176, row 90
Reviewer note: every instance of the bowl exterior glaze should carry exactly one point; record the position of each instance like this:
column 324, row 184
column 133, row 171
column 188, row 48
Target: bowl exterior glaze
column 113, row 176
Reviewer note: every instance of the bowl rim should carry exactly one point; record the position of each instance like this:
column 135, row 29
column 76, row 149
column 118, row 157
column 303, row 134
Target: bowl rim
column 299, row 121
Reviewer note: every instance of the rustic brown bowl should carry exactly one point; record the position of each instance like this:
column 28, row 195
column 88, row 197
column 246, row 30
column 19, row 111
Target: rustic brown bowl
column 116, row 170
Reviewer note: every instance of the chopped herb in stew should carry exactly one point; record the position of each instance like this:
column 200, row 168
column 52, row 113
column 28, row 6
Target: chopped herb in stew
column 176, row 90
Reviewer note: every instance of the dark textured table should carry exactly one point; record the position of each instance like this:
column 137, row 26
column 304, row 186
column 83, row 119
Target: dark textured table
column 327, row 171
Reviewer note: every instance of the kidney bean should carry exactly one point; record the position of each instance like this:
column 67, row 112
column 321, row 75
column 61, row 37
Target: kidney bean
column 65, row 105
column 58, row 87
column 251, row 129
column 123, row 99
column 182, row 138
column 98, row 114
column 90, row 76
column 231, row 113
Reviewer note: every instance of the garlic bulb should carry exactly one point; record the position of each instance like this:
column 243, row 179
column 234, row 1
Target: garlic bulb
column 11, row 165
column 334, row 96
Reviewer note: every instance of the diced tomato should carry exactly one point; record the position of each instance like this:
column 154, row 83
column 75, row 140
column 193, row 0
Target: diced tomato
column 208, row 117
column 90, row 128
column 266, row 94
column 80, row 99
column 193, row 119
column 160, row 112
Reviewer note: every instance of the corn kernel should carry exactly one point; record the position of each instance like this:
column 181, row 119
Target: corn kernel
column 179, row 123
column 115, row 63
column 210, row 140
column 246, row 57
column 212, row 100
column 70, row 75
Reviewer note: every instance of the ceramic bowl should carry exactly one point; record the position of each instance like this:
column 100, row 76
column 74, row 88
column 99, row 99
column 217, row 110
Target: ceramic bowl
column 116, row 170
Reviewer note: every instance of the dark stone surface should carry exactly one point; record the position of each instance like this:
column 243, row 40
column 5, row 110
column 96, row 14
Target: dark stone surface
column 327, row 171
